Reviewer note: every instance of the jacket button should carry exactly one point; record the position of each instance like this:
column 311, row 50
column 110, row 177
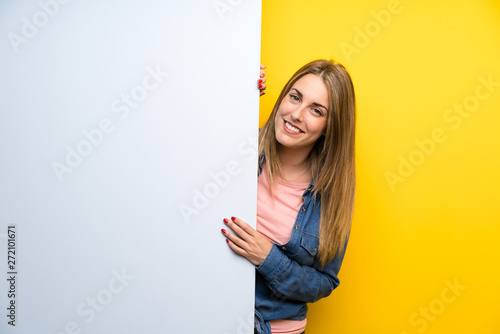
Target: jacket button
column 296, row 227
column 304, row 209
column 283, row 248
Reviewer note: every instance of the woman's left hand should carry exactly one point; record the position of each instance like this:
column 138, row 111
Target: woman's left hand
column 261, row 83
column 246, row 241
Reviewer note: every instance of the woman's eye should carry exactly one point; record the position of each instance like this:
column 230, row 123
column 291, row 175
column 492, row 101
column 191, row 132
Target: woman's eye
column 294, row 97
column 317, row 111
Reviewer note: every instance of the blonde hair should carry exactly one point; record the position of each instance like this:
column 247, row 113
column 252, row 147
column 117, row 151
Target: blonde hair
column 331, row 159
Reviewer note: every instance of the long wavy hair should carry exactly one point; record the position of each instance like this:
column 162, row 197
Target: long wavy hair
column 331, row 159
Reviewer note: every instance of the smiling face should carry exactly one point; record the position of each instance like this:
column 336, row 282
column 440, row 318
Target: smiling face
column 302, row 115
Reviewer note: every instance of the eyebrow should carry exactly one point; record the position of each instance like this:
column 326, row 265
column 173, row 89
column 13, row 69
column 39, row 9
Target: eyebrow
column 316, row 104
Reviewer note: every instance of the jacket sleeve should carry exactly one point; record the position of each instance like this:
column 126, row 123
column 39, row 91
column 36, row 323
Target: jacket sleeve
column 288, row 279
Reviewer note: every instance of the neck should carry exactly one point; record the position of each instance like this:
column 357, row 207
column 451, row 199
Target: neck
column 294, row 164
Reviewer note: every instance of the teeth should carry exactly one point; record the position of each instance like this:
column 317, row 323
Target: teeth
column 292, row 128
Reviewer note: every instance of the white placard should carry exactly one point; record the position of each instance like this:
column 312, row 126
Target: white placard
column 128, row 131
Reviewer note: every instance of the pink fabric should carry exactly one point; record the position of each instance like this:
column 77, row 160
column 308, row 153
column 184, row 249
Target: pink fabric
column 276, row 219
column 288, row 326
column 276, row 216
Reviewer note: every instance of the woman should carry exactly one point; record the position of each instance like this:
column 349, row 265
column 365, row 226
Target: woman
column 305, row 197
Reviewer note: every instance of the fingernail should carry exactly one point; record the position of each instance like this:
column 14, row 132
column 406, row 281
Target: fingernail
column 223, row 231
column 260, row 86
column 262, row 75
column 262, row 93
column 226, row 221
column 233, row 218
column 227, row 240
column 260, row 81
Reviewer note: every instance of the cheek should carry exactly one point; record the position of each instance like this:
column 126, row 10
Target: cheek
column 323, row 129
column 280, row 113
column 277, row 118
column 284, row 108
column 320, row 127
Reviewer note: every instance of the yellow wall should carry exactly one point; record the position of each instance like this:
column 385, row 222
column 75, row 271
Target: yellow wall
column 425, row 245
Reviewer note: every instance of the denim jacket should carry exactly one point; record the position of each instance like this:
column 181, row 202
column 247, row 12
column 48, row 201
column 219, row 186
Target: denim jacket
column 291, row 276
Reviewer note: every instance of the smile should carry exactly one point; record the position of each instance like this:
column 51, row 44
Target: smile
column 291, row 129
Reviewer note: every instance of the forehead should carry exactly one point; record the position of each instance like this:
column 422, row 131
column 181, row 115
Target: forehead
column 313, row 89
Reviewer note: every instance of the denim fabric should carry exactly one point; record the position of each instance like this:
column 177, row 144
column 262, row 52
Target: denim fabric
column 291, row 276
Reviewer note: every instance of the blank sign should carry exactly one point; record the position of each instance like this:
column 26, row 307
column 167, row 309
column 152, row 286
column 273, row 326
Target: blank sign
column 128, row 131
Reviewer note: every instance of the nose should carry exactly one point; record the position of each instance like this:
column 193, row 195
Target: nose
column 298, row 114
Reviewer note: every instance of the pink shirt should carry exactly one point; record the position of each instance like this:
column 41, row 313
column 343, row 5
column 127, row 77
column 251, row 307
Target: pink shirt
column 275, row 219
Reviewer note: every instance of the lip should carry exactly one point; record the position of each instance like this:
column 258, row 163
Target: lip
column 287, row 130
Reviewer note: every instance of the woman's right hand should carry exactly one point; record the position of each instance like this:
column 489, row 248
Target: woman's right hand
column 261, row 83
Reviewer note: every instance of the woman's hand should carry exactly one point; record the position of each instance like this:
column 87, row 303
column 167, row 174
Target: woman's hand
column 261, row 83
column 246, row 241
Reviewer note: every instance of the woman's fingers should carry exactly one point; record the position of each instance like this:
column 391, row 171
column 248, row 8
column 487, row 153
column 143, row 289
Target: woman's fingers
column 237, row 244
column 238, row 224
column 240, row 247
column 246, row 241
column 261, row 86
column 261, row 83
column 236, row 229
column 233, row 239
